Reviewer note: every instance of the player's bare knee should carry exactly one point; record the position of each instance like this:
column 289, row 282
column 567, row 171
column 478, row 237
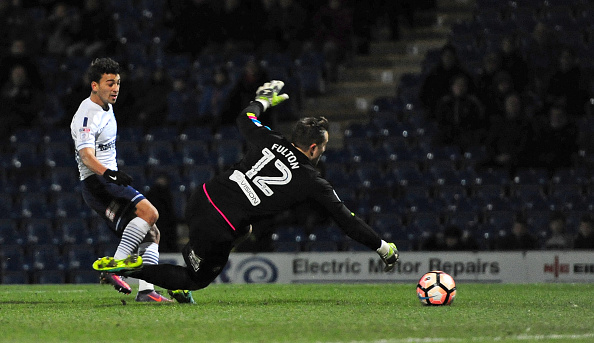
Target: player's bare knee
column 147, row 212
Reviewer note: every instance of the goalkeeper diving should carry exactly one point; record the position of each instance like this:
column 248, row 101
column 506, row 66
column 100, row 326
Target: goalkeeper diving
column 275, row 174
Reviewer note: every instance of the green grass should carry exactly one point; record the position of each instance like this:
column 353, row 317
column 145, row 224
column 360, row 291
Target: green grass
column 299, row 313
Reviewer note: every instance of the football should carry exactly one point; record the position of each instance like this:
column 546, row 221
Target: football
column 436, row 288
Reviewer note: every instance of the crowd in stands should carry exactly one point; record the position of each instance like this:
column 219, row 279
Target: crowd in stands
column 508, row 98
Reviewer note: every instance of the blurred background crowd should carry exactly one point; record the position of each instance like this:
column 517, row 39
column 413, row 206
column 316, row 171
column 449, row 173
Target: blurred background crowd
column 487, row 148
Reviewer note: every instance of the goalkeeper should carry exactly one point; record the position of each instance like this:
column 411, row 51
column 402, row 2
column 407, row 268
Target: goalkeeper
column 275, row 175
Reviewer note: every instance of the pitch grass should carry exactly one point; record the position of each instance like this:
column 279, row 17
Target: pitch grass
column 299, row 313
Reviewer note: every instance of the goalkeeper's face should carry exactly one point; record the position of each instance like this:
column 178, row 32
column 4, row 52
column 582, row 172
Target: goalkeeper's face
column 316, row 150
column 107, row 89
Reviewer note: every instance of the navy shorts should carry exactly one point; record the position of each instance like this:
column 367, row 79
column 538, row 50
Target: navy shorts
column 116, row 204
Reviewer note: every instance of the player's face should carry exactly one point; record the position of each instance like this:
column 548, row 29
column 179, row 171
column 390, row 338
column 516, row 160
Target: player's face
column 107, row 90
column 319, row 149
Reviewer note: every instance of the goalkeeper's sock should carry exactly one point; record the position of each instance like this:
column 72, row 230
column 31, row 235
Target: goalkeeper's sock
column 150, row 256
column 384, row 248
column 132, row 236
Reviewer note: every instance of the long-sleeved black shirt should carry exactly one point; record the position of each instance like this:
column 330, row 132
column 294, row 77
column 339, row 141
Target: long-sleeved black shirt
column 274, row 176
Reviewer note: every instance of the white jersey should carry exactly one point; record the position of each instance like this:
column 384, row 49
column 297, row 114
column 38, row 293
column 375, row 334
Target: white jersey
column 93, row 127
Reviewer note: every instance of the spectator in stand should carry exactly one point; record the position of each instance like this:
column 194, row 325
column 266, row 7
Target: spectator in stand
column 585, row 236
column 566, row 85
column 485, row 78
column 540, row 51
column 289, row 21
column 460, row 115
column 61, row 27
column 334, row 35
column 439, row 79
column 19, row 55
column 513, row 62
column 214, row 98
column 558, row 238
column 151, row 102
column 252, row 76
column 555, row 144
column 519, row 238
column 509, row 136
column 503, row 85
column 21, row 102
column 96, row 31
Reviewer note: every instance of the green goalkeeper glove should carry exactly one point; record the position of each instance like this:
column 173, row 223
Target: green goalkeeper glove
column 268, row 95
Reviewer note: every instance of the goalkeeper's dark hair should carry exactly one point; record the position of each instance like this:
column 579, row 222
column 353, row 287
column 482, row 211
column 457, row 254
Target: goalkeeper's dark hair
column 308, row 131
column 101, row 66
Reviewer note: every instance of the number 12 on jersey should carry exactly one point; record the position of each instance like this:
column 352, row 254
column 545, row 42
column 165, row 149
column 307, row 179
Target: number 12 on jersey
column 259, row 181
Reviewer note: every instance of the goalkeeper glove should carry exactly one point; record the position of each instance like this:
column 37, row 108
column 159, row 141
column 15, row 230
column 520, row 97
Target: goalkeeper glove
column 268, row 95
column 118, row 177
column 390, row 258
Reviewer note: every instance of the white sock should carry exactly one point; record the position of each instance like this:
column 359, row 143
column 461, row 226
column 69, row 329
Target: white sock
column 132, row 236
column 150, row 255
column 383, row 249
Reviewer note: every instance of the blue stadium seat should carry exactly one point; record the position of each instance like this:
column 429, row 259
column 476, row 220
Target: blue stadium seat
column 64, row 179
column 288, row 239
column 83, row 276
column 7, row 206
column 195, row 153
column 46, row 257
column 13, row 258
column 80, row 257
column 74, row 230
column 162, row 133
column 10, row 234
column 59, row 154
column 40, row 231
column 162, row 152
column 54, row 277
column 129, row 154
column 34, row 205
column 197, row 133
column 70, row 205
column 323, row 239
column 196, row 175
column 228, row 152
column 15, row 277
column 132, row 134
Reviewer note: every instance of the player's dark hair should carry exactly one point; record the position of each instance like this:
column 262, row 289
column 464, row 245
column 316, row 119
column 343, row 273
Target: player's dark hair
column 101, row 66
column 308, row 131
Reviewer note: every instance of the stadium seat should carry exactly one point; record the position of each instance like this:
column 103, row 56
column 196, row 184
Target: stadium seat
column 55, row 277
column 14, row 278
column 196, row 175
column 195, row 153
column 70, row 205
column 325, row 238
column 80, row 257
column 74, row 230
column 59, row 154
column 162, row 152
column 40, row 231
column 34, row 205
column 127, row 134
column 196, row 133
column 13, row 258
column 83, row 276
column 129, row 154
column 288, row 239
column 46, row 257
column 161, row 133
column 7, row 208
column 228, row 152
column 10, row 234
column 64, row 179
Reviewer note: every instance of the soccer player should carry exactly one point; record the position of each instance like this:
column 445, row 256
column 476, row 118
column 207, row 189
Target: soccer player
column 106, row 189
column 274, row 175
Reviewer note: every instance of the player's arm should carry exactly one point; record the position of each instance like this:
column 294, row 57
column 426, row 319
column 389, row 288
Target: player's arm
column 87, row 156
column 353, row 226
column 267, row 96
